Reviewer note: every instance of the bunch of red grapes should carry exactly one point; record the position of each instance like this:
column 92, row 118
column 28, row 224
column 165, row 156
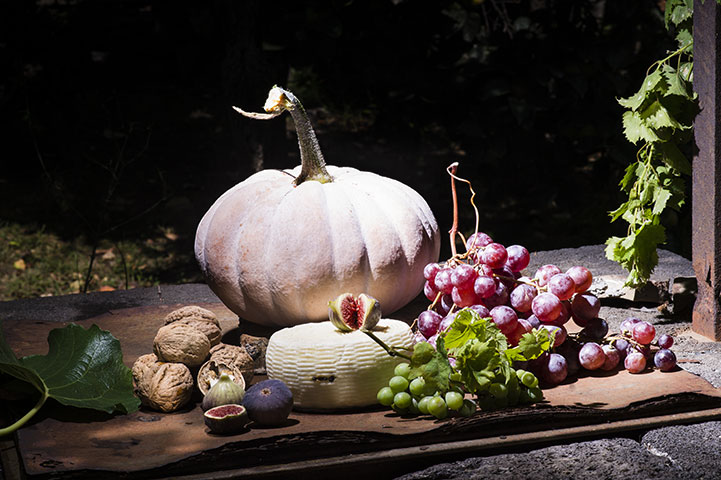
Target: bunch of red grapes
column 488, row 279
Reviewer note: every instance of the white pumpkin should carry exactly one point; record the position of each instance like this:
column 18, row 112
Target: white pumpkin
column 275, row 250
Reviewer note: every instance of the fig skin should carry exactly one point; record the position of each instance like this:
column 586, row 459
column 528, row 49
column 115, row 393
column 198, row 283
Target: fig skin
column 228, row 423
column 224, row 392
column 269, row 402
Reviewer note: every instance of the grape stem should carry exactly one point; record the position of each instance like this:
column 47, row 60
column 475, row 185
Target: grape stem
column 451, row 169
column 389, row 350
column 454, row 228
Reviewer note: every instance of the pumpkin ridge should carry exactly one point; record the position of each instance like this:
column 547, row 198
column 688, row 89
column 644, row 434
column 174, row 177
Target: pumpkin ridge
column 339, row 189
column 269, row 252
column 405, row 272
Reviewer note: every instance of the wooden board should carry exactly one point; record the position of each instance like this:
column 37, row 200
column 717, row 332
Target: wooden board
column 80, row 444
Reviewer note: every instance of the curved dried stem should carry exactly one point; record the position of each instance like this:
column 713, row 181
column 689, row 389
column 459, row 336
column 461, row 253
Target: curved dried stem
column 451, row 169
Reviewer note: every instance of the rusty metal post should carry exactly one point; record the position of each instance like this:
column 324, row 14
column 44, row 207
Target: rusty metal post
column 706, row 196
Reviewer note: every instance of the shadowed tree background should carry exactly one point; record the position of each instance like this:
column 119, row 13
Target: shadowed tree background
column 118, row 132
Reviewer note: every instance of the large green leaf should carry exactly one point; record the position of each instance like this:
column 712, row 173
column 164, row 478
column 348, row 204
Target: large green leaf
column 83, row 368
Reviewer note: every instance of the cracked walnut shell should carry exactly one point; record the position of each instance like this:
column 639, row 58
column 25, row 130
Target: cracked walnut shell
column 162, row 386
column 181, row 343
column 235, row 357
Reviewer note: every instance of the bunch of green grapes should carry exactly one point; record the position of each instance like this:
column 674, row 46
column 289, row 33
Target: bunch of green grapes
column 416, row 397
column 521, row 388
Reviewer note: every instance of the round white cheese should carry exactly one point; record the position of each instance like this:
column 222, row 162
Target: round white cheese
column 328, row 369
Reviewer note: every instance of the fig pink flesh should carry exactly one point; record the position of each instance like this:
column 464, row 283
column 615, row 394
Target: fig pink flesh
column 224, row 410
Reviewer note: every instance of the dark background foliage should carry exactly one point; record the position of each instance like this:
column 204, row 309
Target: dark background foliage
column 116, row 114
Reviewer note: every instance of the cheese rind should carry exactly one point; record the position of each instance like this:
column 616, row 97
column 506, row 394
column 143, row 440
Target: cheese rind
column 327, row 369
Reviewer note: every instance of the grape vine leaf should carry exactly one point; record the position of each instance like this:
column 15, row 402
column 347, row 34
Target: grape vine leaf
column 431, row 364
column 83, row 368
column 674, row 158
column 637, row 252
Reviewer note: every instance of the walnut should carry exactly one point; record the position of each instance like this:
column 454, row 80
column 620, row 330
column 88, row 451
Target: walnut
column 192, row 311
column 181, row 343
column 235, row 357
column 210, row 372
column 211, row 330
column 162, row 386
column 256, row 347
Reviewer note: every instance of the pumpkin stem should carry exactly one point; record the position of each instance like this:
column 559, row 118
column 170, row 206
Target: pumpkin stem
column 312, row 162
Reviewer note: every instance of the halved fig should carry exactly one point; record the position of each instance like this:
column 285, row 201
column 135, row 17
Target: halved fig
column 348, row 313
column 225, row 419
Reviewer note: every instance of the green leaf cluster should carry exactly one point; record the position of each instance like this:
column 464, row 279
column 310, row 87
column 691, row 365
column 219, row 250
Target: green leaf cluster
column 83, row 368
column 659, row 117
column 483, row 358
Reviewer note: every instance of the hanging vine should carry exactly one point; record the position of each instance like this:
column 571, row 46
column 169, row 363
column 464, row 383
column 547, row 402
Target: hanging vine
column 659, row 117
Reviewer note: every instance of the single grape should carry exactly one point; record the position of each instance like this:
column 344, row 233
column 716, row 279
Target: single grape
column 463, row 298
column 505, row 275
column 613, row 358
column 522, row 296
column 446, row 304
column 454, row 400
column 484, row 286
column 534, row 321
column 621, row 346
column 559, row 334
column 535, row 394
column 627, row 325
column 446, row 322
column 665, row 360
column 494, row 255
column 432, row 340
column 635, row 362
column 644, row 333
column 418, row 338
column 423, row 405
column 581, row 277
column 478, row 240
column 468, row 408
column 385, row 396
column 398, row 383
column 402, row 400
column 428, row 322
column 481, row 310
column 403, row 369
column 665, row 341
column 591, row 356
column 584, row 307
column 595, row 329
column 430, row 271
column 529, row 380
column 518, row 258
column 515, row 336
column 555, row 370
column 437, row 407
column 499, row 297
column 547, row 307
column 562, row 286
column 544, row 274
column 429, row 290
column 498, row 390
column 564, row 316
column 505, row 318
column 417, row 386
column 463, row 276
column 442, row 281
